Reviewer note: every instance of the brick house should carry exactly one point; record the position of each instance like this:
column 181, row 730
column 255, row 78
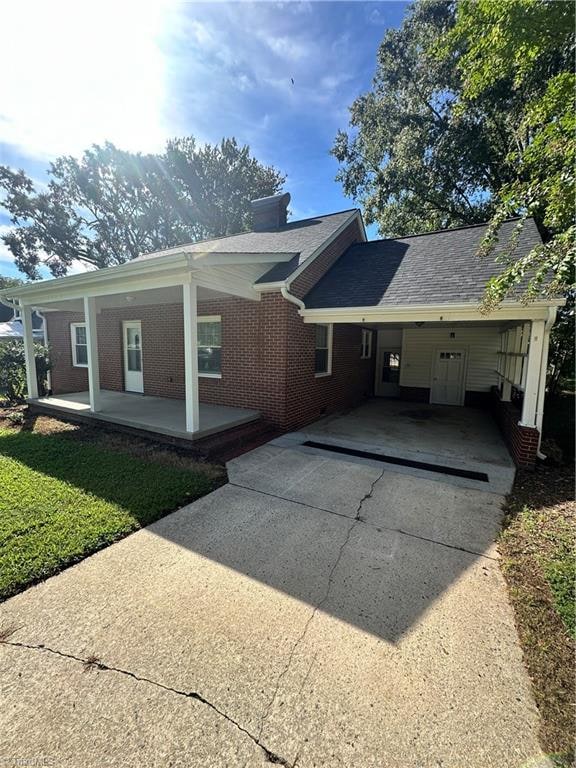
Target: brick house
column 289, row 322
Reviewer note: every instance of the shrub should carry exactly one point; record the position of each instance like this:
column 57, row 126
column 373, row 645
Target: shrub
column 13, row 369
column 16, row 417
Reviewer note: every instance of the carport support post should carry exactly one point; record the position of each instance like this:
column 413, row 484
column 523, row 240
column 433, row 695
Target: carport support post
column 534, row 362
column 29, row 357
column 92, row 353
column 190, row 307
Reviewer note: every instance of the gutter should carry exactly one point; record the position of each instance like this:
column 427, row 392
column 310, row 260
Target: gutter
column 7, row 303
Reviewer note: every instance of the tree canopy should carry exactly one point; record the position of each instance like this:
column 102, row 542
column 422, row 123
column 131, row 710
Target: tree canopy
column 111, row 205
column 471, row 118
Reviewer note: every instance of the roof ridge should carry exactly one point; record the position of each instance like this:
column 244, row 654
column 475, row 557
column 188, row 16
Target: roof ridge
column 439, row 231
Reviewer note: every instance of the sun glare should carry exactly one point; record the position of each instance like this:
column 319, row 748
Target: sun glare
column 74, row 74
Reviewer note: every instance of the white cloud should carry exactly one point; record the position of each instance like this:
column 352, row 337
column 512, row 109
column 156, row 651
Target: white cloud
column 74, row 74
column 286, row 48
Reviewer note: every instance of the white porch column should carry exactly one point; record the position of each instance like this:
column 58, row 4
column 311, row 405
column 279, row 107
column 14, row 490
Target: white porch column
column 544, row 370
column 92, row 352
column 191, row 356
column 29, row 358
column 534, row 365
column 506, row 383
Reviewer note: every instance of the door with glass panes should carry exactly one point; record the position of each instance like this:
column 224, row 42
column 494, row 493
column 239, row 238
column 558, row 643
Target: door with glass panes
column 133, row 375
column 387, row 372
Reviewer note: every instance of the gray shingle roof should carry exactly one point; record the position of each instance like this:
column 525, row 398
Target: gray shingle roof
column 433, row 268
column 299, row 237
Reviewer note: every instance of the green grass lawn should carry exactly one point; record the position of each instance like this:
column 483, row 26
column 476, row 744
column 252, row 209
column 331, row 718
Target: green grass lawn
column 61, row 499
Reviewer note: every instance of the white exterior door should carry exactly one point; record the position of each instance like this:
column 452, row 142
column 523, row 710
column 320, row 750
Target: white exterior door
column 387, row 382
column 133, row 377
column 448, row 377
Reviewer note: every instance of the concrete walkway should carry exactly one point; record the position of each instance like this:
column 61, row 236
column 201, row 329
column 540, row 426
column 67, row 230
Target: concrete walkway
column 313, row 612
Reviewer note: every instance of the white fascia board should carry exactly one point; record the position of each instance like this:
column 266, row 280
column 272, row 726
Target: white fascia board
column 430, row 313
column 124, row 284
column 92, row 279
column 310, row 259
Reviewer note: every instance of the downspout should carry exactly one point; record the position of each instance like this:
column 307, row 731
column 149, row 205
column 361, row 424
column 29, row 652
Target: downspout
column 551, row 319
column 291, row 298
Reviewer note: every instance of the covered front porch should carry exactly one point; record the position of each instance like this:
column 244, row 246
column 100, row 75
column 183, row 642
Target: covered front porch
column 136, row 344
column 159, row 415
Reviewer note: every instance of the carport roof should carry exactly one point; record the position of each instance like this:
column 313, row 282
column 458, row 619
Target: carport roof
column 433, row 268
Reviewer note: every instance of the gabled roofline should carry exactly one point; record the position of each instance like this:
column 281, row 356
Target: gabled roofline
column 287, row 282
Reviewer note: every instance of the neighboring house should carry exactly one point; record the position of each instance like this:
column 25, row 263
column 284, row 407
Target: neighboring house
column 11, row 325
column 292, row 321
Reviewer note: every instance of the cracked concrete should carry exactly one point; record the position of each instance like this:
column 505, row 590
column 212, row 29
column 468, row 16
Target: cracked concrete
column 279, row 623
column 319, row 605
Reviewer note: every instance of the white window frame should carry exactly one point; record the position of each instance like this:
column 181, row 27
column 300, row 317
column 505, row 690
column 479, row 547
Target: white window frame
column 210, row 319
column 366, row 344
column 74, row 344
column 328, row 371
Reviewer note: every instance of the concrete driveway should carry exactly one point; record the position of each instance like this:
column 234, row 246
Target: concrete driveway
column 313, row 612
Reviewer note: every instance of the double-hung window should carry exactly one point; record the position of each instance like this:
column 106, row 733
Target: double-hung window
column 79, row 345
column 210, row 346
column 366, row 348
column 323, row 350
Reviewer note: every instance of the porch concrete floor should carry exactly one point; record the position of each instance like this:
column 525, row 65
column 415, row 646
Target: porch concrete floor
column 163, row 415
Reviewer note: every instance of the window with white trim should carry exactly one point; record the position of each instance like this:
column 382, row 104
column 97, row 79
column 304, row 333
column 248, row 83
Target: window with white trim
column 210, row 346
column 366, row 348
column 323, row 350
column 79, row 345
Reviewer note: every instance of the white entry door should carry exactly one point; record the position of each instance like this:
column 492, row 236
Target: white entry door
column 133, row 377
column 448, row 377
column 387, row 382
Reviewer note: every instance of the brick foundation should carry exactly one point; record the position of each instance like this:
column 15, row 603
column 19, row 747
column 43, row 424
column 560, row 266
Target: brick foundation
column 522, row 441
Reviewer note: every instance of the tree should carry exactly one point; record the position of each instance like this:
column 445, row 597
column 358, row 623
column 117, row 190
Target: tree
column 471, row 117
column 413, row 164
column 527, row 46
column 7, row 282
column 110, row 205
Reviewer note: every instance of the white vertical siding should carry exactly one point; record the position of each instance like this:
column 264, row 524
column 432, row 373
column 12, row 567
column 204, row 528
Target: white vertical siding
column 480, row 342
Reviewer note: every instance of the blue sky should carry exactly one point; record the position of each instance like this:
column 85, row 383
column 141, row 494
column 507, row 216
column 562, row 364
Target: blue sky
column 139, row 73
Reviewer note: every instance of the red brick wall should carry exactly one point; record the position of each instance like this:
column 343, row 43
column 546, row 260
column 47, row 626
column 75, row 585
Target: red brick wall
column 310, row 276
column 309, row 397
column 267, row 358
column 64, row 377
column 522, row 441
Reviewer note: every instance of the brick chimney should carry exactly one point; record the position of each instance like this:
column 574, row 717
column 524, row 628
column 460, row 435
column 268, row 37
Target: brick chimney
column 270, row 212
